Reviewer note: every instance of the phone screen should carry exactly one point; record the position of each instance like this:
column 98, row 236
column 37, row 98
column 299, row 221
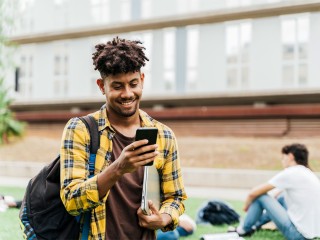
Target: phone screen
column 149, row 133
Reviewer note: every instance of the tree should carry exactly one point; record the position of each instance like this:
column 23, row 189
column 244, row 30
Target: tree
column 8, row 125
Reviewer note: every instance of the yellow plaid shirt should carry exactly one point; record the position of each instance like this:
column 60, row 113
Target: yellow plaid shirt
column 79, row 194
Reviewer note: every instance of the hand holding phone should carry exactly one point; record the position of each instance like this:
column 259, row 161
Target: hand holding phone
column 149, row 133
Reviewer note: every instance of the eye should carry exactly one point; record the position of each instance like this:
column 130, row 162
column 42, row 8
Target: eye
column 134, row 84
column 117, row 87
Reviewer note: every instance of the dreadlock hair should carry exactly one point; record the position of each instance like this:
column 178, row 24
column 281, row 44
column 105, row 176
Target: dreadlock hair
column 299, row 151
column 119, row 56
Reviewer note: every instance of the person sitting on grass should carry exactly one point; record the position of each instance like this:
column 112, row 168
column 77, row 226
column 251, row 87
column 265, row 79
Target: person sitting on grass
column 8, row 202
column 300, row 219
column 186, row 227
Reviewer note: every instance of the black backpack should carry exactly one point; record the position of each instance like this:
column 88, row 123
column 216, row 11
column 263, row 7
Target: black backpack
column 217, row 213
column 42, row 212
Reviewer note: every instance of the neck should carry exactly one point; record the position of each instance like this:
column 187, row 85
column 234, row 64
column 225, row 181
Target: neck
column 125, row 125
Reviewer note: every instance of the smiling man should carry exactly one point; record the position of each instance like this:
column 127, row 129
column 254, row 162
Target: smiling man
column 113, row 195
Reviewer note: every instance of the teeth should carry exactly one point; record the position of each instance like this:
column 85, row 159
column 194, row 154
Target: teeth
column 126, row 103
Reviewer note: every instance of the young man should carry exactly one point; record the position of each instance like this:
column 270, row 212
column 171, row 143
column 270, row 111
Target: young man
column 113, row 195
column 299, row 216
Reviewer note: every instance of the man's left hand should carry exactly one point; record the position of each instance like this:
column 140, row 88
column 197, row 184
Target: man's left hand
column 154, row 221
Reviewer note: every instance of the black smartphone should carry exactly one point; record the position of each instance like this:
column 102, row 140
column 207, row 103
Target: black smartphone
column 149, row 133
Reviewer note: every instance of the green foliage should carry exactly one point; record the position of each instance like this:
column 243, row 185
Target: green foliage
column 8, row 125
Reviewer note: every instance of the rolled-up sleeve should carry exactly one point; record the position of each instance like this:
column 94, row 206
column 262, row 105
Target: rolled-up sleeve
column 78, row 192
column 172, row 182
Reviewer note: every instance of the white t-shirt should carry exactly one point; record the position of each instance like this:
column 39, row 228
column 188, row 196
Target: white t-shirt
column 302, row 195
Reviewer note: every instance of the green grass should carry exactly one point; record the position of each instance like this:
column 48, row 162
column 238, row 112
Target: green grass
column 194, row 204
column 9, row 220
column 10, row 229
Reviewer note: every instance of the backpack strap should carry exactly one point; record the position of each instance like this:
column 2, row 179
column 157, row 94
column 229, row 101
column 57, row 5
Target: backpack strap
column 92, row 126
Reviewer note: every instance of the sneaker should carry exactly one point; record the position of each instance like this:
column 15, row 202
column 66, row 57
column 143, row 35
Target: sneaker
column 240, row 231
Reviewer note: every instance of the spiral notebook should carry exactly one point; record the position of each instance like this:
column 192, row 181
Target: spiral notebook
column 151, row 189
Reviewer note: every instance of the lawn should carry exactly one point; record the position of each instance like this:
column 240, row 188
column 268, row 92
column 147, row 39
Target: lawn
column 10, row 229
column 192, row 207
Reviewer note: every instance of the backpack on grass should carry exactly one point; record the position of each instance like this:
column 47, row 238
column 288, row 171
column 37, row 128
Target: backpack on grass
column 217, row 212
column 42, row 213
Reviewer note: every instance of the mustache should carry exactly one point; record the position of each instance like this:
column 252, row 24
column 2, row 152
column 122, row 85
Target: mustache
column 127, row 99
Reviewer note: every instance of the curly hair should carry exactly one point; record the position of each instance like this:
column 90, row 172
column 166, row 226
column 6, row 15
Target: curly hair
column 299, row 151
column 119, row 56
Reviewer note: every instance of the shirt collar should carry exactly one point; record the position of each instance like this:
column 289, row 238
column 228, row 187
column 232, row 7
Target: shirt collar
column 103, row 121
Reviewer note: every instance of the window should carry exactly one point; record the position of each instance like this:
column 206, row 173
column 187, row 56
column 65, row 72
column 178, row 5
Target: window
column 192, row 56
column 295, row 38
column 169, row 59
column 60, row 71
column 23, row 76
column 238, row 41
column 100, row 11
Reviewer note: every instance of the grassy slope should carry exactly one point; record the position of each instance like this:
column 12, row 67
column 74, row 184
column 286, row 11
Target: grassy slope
column 10, row 229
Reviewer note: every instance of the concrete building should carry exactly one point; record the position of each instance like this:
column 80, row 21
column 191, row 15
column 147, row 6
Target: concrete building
column 254, row 53
column 202, row 52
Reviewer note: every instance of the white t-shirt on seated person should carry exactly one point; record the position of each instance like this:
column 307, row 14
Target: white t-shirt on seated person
column 302, row 195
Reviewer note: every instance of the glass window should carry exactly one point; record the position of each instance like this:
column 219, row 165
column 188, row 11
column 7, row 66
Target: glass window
column 295, row 38
column 303, row 37
column 23, row 66
column 232, row 77
column 30, row 66
column 57, row 65
column 288, row 38
column 169, row 58
column 303, row 74
column 66, row 62
column 232, row 44
column 192, row 56
column 288, row 75
column 238, row 42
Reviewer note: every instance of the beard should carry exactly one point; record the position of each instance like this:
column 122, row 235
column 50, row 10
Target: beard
column 124, row 112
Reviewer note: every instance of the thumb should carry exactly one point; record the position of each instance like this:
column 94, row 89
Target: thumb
column 152, row 207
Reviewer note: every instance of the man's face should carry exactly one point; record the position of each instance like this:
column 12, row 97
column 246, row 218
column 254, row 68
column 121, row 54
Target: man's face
column 123, row 92
column 287, row 159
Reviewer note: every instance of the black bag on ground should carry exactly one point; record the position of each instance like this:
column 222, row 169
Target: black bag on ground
column 42, row 212
column 217, row 213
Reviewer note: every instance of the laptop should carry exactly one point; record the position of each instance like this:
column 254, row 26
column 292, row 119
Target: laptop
column 151, row 189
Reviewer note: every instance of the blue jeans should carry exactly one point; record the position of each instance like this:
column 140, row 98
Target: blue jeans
column 275, row 212
column 265, row 218
column 172, row 235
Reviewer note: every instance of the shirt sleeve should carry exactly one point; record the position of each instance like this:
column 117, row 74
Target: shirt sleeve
column 172, row 183
column 281, row 180
column 78, row 192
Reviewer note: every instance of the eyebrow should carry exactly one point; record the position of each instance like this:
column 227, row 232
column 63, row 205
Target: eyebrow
column 120, row 82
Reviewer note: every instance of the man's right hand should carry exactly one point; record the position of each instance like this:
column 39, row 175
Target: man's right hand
column 131, row 158
column 135, row 155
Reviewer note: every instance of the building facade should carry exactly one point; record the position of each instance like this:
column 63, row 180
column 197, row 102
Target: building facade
column 195, row 47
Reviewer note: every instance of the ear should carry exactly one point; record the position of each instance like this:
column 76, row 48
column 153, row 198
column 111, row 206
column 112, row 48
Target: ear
column 100, row 84
column 291, row 157
column 142, row 78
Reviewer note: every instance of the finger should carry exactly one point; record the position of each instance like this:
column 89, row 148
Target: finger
column 137, row 144
column 152, row 207
column 146, row 149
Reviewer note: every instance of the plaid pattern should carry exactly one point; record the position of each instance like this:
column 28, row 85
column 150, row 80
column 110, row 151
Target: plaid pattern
column 78, row 193
column 28, row 232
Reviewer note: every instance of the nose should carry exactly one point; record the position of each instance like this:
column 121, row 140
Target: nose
column 127, row 92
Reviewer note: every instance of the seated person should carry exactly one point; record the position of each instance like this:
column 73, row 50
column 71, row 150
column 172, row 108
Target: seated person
column 299, row 216
column 8, row 202
column 185, row 228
